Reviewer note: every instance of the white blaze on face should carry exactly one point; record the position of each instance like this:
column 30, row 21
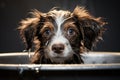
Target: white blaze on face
column 59, row 38
column 59, row 20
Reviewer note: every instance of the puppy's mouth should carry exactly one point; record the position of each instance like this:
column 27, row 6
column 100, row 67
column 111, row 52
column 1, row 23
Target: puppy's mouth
column 58, row 52
column 58, row 59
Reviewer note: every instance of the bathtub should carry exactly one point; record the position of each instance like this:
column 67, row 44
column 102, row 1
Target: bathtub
column 97, row 66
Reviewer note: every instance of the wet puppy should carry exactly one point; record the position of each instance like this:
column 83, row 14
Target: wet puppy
column 60, row 36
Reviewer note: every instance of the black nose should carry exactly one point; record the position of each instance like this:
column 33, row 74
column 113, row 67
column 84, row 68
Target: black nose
column 58, row 48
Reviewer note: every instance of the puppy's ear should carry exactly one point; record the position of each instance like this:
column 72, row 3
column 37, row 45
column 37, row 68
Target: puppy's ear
column 90, row 27
column 28, row 28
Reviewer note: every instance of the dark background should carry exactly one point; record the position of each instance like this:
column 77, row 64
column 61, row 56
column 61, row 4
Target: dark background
column 12, row 11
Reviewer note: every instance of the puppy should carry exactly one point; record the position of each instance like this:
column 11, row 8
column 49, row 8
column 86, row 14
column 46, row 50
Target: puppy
column 59, row 36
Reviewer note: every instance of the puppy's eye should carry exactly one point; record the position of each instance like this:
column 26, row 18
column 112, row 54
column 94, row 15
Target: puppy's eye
column 47, row 31
column 71, row 31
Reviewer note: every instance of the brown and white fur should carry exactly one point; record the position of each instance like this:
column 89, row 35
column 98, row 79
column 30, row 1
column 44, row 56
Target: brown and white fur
column 60, row 36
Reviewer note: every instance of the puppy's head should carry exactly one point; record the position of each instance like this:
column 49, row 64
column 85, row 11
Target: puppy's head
column 61, row 34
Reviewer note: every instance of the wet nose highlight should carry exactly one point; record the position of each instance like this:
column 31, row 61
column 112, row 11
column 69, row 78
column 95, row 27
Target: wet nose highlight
column 58, row 48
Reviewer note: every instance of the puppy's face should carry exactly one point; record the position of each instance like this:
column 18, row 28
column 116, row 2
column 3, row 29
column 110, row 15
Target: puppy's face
column 60, row 34
column 60, row 37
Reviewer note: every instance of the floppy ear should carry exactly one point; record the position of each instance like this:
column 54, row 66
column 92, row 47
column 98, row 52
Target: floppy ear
column 28, row 28
column 90, row 27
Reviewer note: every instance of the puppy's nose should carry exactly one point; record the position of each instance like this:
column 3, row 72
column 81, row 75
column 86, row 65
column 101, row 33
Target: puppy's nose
column 58, row 48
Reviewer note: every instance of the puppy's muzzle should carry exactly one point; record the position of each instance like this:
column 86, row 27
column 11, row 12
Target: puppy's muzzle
column 58, row 48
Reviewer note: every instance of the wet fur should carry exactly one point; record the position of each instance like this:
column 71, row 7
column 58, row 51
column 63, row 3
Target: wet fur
column 89, row 29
